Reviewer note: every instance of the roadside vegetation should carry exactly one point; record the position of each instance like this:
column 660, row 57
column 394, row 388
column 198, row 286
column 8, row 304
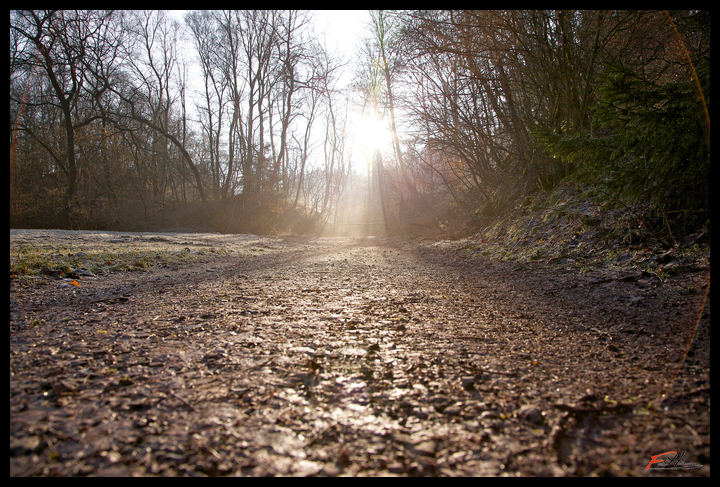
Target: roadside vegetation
column 62, row 257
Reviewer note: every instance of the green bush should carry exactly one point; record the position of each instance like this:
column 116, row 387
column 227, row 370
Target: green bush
column 650, row 143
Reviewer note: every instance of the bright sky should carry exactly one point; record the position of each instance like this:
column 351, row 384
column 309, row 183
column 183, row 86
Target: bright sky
column 344, row 28
column 343, row 31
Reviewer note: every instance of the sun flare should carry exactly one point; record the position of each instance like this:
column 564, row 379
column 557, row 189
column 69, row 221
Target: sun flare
column 372, row 133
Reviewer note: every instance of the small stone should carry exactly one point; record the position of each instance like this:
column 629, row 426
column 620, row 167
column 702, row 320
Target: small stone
column 531, row 414
column 139, row 404
column 332, row 469
column 425, row 448
column 52, row 273
column 26, row 445
column 81, row 271
column 489, row 415
column 452, row 410
column 423, row 412
column 214, row 355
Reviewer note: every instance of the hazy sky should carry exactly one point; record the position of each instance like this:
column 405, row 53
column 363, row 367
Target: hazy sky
column 344, row 28
column 343, row 31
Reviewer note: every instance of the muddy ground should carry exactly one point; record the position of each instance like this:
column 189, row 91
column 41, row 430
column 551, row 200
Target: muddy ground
column 350, row 356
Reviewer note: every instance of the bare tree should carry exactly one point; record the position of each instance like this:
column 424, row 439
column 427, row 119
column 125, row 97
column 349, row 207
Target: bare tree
column 216, row 97
column 149, row 94
column 71, row 47
column 336, row 155
column 386, row 38
column 310, row 112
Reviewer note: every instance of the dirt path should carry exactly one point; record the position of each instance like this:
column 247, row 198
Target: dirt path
column 358, row 357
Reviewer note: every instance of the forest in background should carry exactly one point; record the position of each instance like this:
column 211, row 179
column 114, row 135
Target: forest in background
column 484, row 109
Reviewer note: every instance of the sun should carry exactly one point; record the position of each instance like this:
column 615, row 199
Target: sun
column 372, row 133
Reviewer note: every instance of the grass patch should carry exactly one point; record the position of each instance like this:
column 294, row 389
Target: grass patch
column 29, row 259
